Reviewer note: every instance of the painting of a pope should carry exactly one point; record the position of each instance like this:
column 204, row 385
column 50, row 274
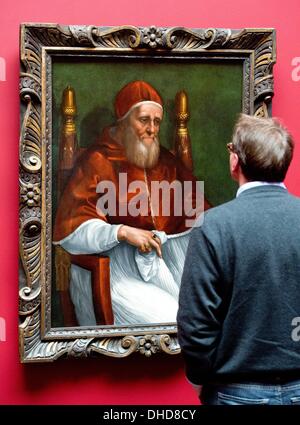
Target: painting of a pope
column 133, row 200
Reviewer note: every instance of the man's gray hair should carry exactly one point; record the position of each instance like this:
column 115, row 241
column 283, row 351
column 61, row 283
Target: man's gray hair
column 264, row 147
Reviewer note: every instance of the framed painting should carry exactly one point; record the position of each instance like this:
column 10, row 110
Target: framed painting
column 119, row 127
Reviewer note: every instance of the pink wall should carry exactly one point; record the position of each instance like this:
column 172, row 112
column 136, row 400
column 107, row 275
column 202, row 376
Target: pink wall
column 135, row 380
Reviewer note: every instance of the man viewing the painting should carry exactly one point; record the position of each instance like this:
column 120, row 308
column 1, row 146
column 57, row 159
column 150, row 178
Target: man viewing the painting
column 133, row 200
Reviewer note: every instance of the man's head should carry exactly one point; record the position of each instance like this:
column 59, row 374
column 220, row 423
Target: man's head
column 261, row 149
column 139, row 110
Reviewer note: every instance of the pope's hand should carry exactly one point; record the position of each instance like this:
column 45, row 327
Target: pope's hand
column 144, row 240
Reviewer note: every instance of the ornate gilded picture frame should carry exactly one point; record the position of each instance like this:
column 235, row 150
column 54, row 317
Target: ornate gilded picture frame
column 71, row 82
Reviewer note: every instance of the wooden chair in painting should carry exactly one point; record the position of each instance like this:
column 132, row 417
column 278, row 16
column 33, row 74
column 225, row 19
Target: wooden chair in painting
column 98, row 265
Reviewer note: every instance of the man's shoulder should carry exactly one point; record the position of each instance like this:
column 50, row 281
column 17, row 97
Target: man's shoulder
column 94, row 155
column 222, row 211
column 103, row 149
column 166, row 154
column 92, row 162
column 217, row 218
column 293, row 199
column 291, row 205
column 238, row 209
column 237, row 204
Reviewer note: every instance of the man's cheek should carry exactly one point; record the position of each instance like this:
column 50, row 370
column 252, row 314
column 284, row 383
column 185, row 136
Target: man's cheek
column 142, row 132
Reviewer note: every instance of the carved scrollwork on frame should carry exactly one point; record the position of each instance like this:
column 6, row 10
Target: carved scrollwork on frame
column 30, row 244
column 29, row 300
column 182, row 38
column 254, row 48
column 30, row 140
column 146, row 345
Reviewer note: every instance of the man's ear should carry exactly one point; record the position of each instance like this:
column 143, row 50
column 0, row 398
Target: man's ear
column 234, row 166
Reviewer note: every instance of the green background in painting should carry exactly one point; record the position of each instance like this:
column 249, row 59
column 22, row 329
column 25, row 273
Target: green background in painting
column 215, row 98
column 214, row 91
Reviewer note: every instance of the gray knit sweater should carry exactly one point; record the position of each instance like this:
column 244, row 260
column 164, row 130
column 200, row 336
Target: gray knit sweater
column 241, row 290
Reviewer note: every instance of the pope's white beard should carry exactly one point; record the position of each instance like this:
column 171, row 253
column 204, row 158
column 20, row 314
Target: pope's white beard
column 137, row 152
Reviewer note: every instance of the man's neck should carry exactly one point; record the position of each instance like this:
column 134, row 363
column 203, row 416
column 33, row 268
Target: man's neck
column 242, row 179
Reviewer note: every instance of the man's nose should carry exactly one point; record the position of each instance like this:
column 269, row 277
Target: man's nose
column 151, row 127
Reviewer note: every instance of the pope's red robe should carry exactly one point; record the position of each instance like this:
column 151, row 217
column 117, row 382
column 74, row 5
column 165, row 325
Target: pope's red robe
column 104, row 161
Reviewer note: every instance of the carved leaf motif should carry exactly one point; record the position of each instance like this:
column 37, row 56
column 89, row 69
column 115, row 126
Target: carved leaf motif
column 79, row 348
column 83, row 35
column 30, row 250
column 115, row 347
column 182, row 38
column 119, row 37
column 30, row 136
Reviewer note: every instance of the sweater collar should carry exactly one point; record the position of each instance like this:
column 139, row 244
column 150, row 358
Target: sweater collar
column 251, row 185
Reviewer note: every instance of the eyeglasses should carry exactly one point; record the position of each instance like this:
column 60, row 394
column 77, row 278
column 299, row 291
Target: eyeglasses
column 230, row 147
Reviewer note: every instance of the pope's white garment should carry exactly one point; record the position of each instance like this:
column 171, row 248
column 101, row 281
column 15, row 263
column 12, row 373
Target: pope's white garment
column 144, row 287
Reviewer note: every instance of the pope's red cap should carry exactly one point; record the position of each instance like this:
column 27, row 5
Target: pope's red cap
column 135, row 93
